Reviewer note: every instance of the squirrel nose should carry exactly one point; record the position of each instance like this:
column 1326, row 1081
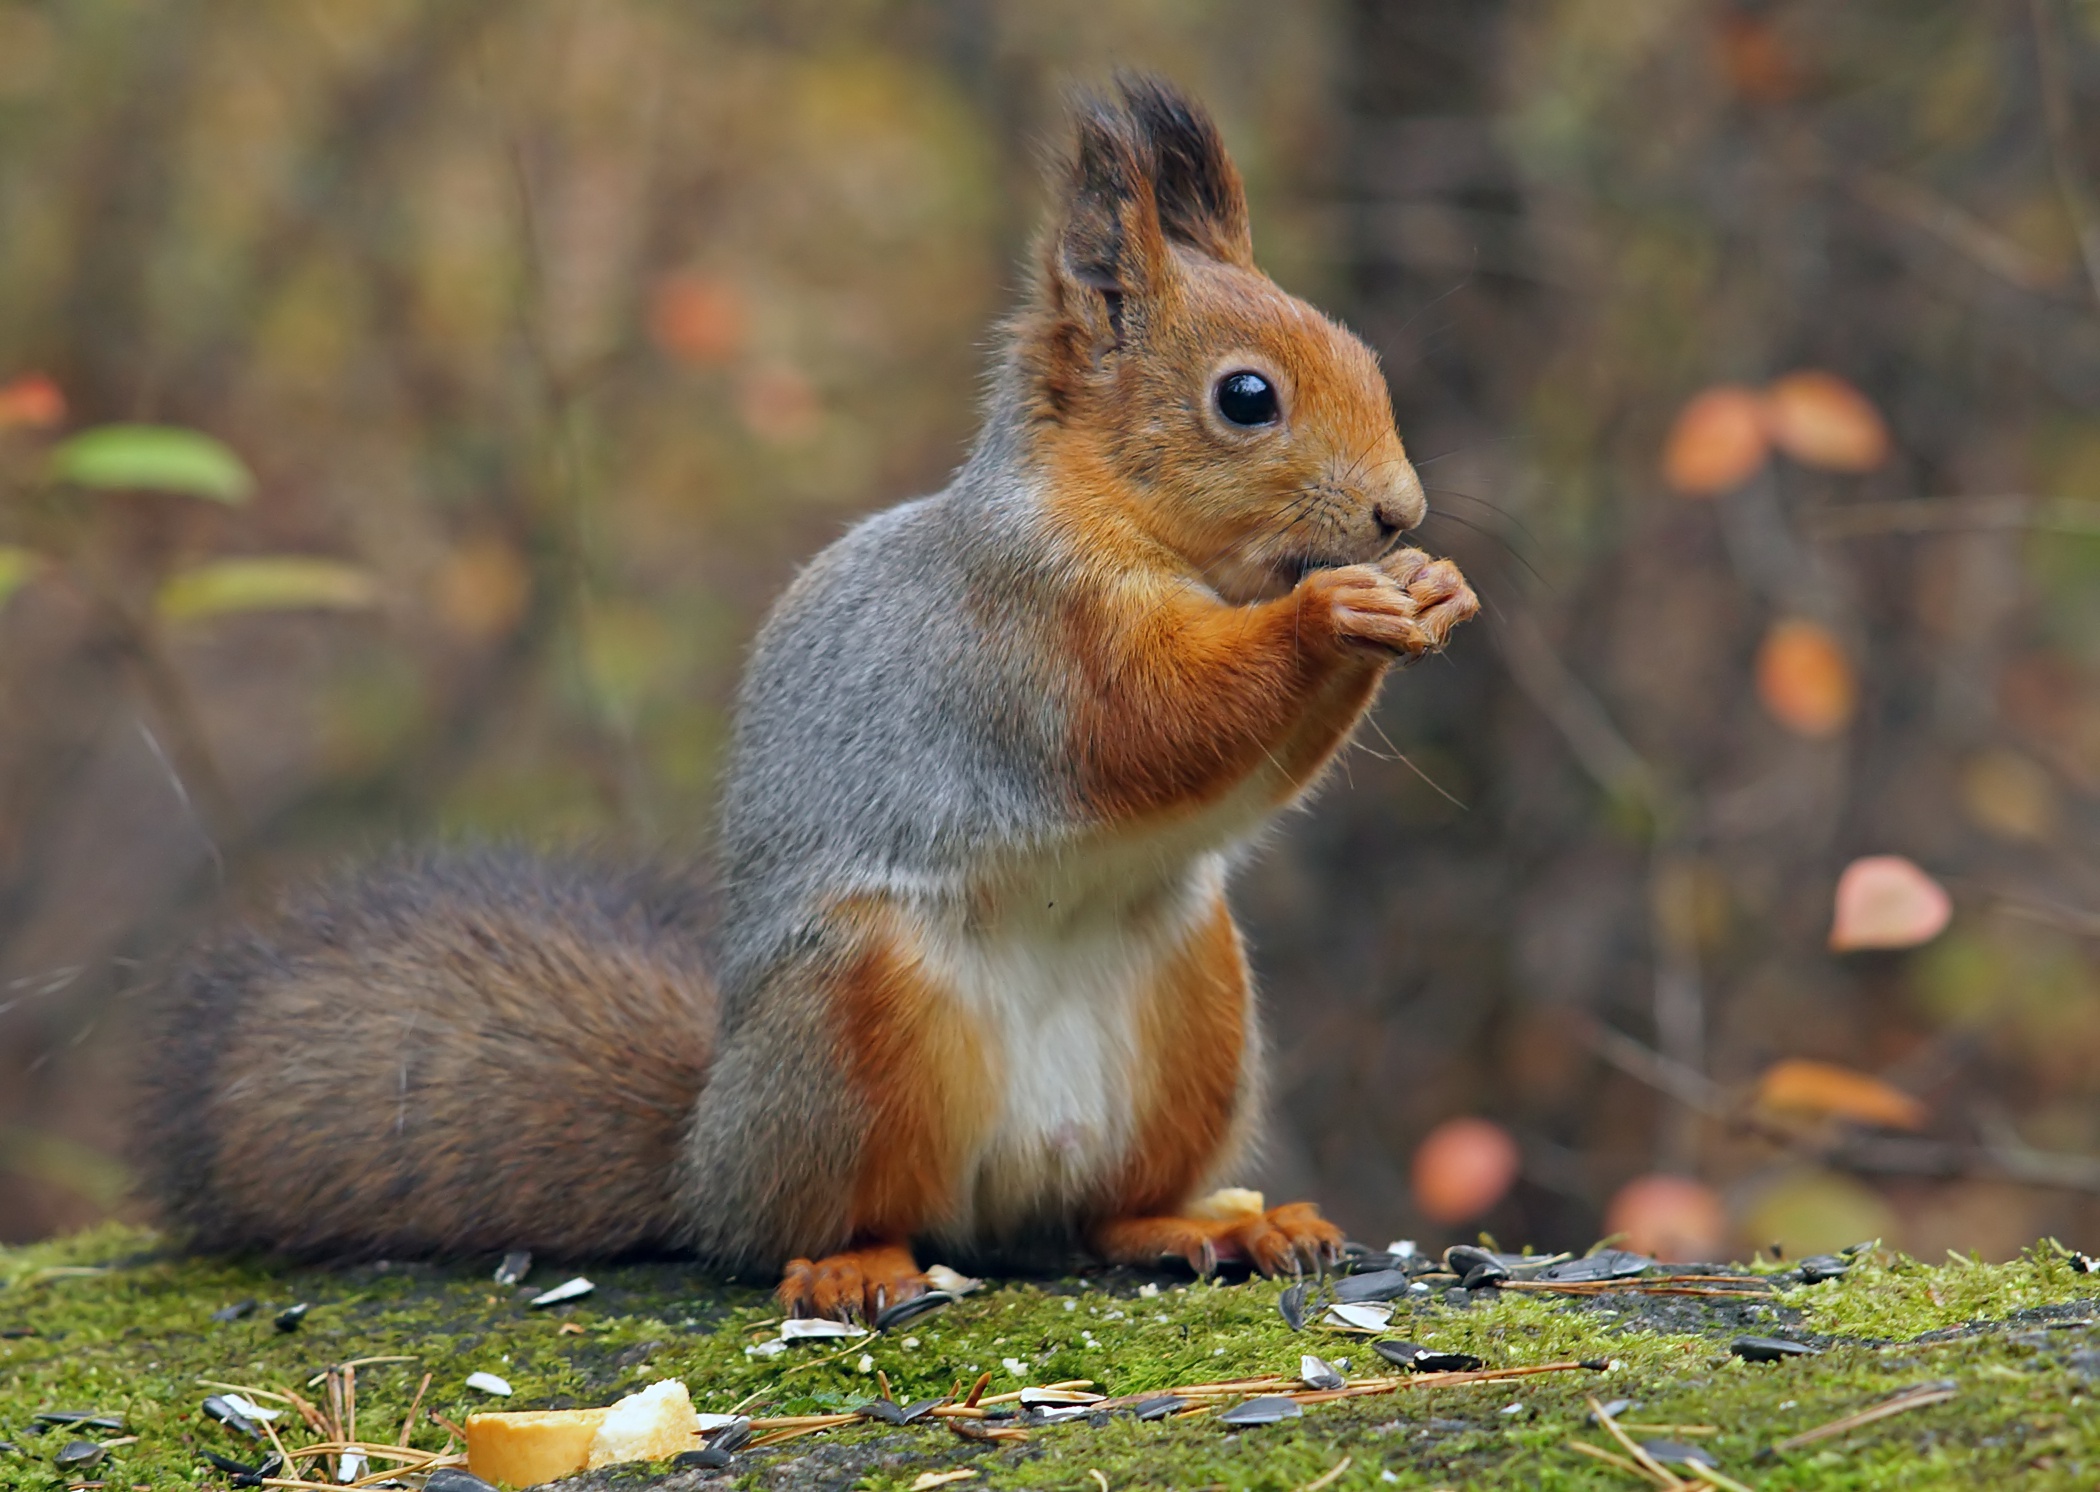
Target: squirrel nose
column 1403, row 506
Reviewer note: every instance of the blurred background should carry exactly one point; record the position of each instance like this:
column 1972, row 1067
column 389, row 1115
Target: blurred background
column 498, row 362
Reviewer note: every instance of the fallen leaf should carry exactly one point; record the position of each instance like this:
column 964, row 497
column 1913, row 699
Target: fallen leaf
column 1886, row 901
column 1805, row 680
column 1718, row 441
column 31, row 401
column 1821, row 420
column 1462, row 1168
column 698, row 319
column 1668, row 1217
column 158, row 458
column 284, row 582
column 2009, row 795
column 1826, row 1090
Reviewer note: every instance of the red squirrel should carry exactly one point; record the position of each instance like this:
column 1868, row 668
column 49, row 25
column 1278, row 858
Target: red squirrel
column 974, row 979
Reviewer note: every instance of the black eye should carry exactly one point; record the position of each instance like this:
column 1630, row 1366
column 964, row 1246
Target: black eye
column 1247, row 399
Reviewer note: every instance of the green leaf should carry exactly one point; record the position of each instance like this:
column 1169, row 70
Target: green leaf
column 160, row 457
column 283, row 582
column 16, row 567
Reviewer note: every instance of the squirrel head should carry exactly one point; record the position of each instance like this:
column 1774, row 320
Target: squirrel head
column 1164, row 374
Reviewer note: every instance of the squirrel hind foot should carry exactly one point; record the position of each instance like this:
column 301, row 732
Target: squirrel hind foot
column 858, row 1284
column 1289, row 1239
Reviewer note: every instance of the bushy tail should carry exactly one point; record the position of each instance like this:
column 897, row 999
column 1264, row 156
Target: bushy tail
column 438, row 1054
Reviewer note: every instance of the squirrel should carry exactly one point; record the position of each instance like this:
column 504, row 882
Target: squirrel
column 972, row 978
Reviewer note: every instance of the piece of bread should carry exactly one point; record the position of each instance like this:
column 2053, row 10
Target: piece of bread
column 523, row 1448
column 648, row 1426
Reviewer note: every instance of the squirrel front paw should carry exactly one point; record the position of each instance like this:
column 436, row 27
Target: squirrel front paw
column 1291, row 1238
column 860, row 1283
column 1406, row 604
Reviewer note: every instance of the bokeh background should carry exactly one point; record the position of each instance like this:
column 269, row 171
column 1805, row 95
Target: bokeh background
column 556, row 333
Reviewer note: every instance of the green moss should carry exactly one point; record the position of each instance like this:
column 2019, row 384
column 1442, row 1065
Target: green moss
column 107, row 1322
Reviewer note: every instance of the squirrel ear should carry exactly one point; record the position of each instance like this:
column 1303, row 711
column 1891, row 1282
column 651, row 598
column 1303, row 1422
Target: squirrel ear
column 1110, row 238
column 1201, row 200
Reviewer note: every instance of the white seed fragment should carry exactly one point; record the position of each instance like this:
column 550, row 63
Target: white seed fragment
column 567, row 1290
column 1363, row 1316
column 866, row 1363
column 818, row 1327
column 249, row 1409
column 488, row 1383
column 941, row 1277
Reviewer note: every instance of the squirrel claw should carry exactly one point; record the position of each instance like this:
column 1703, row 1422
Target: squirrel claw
column 855, row 1286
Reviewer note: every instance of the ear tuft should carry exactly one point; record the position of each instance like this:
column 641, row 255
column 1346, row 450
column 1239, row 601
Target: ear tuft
column 1202, row 201
column 1110, row 238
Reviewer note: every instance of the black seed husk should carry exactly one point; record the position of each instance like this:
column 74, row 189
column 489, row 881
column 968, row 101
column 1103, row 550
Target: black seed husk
column 1291, row 1305
column 913, row 1309
column 1677, row 1453
column 58, row 1418
column 231, row 1417
column 1769, row 1349
column 77, row 1455
column 1266, row 1410
column 515, row 1266
column 1380, row 1284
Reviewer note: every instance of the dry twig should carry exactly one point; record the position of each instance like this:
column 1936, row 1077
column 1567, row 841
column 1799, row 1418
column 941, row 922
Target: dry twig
column 1903, row 1403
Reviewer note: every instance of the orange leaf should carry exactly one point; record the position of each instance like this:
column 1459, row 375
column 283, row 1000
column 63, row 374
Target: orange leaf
column 1885, row 901
column 1668, row 1217
column 1829, row 1091
column 698, row 320
column 32, row 400
column 1805, row 680
column 1718, row 441
column 1462, row 1168
column 1821, row 420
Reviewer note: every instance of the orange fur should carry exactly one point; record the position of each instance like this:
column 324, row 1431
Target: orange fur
column 1184, row 697
column 918, row 1065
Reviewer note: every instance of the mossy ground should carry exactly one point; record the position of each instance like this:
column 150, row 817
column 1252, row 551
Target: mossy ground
column 109, row 1322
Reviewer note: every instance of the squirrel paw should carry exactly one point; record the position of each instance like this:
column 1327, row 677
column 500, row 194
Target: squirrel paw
column 1287, row 1239
column 860, row 1283
column 1407, row 603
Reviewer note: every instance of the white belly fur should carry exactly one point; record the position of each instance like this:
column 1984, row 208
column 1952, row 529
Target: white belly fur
column 1057, row 995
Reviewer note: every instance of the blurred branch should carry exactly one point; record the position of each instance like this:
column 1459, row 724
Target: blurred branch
column 1957, row 228
column 2064, row 919
column 1574, row 711
column 1695, row 1090
column 1864, row 1155
column 1679, row 997
column 1955, row 515
column 2071, row 184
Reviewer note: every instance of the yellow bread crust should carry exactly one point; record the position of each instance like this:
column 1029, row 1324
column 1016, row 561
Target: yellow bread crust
column 526, row 1447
